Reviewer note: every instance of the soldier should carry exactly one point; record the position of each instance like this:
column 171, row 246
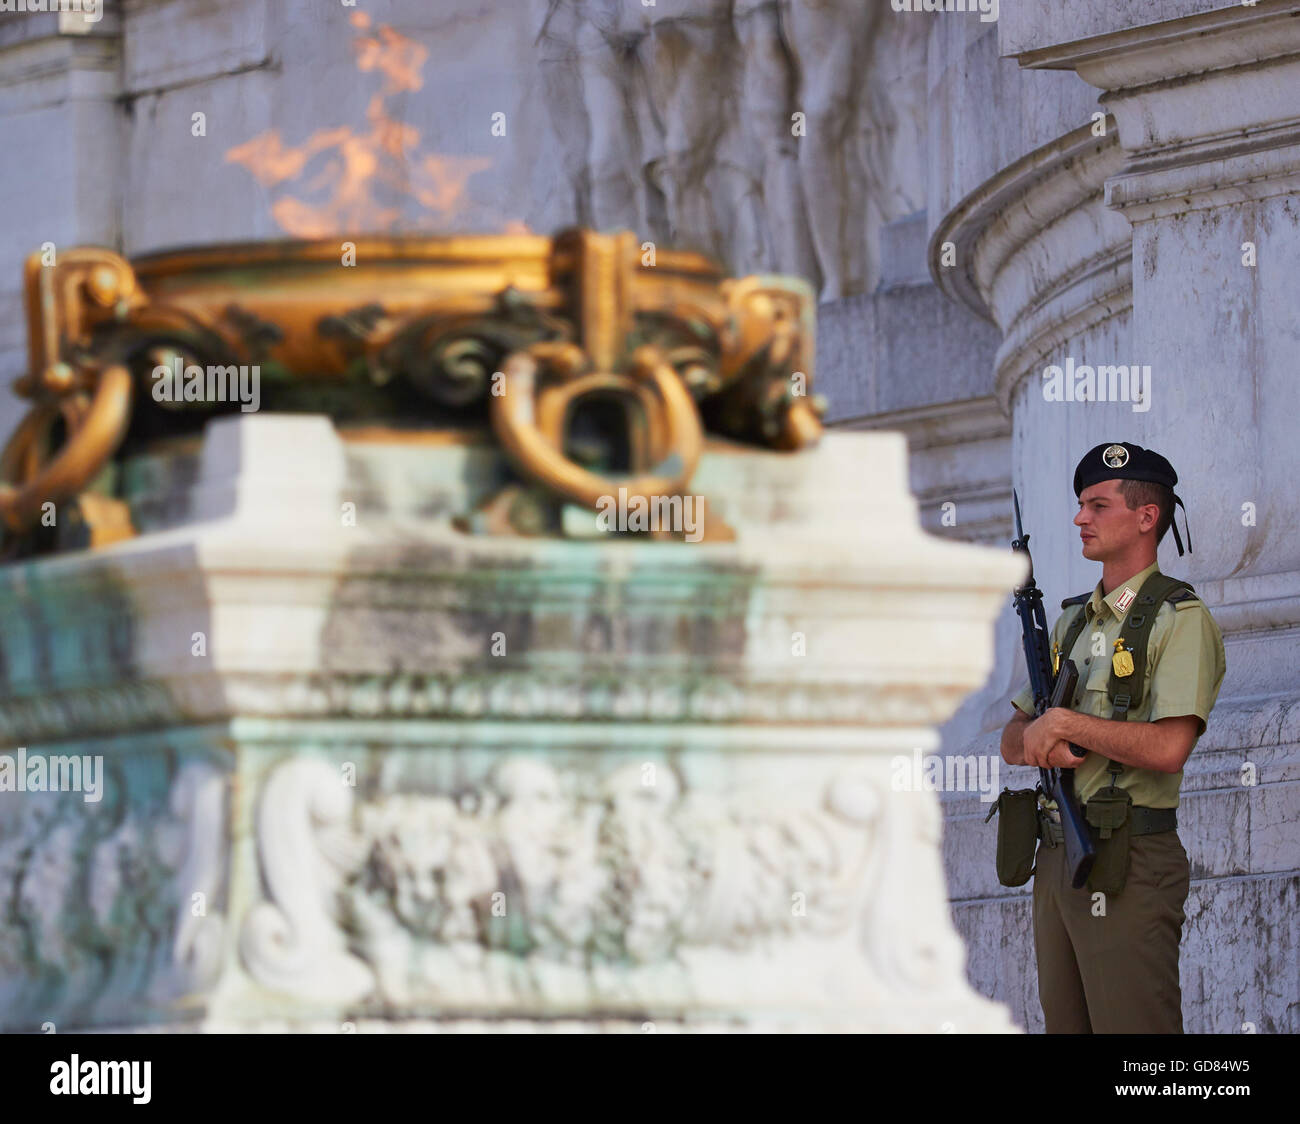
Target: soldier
column 1151, row 662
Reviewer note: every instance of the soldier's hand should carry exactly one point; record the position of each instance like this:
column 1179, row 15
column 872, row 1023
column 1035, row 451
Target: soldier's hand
column 1062, row 757
column 1043, row 735
column 1039, row 739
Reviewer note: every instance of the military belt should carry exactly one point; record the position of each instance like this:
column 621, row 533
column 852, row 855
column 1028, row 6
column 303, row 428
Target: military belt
column 1149, row 821
column 1141, row 821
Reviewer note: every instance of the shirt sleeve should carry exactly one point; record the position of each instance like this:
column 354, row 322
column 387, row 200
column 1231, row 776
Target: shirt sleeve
column 1189, row 667
column 1024, row 701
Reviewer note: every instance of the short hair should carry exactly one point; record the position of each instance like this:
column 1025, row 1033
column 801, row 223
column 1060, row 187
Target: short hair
column 1139, row 493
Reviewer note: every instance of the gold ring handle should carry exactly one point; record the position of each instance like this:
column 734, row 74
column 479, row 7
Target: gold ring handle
column 539, row 457
column 88, row 449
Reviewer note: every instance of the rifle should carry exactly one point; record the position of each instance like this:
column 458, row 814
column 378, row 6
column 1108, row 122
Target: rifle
column 1049, row 690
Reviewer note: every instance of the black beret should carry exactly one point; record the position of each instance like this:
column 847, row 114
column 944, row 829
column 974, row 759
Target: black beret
column 1118, row 460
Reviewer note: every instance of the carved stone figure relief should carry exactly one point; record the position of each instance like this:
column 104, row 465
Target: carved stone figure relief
column 774, row 134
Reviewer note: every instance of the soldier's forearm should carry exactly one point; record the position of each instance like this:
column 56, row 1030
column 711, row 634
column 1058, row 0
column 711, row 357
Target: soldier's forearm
column 1013, row 740
column 1145, row 745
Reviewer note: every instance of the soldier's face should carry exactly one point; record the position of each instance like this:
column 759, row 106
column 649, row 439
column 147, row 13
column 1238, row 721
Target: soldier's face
column 1107, row 526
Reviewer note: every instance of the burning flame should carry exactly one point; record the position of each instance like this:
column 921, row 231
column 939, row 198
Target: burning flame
column 358, row 166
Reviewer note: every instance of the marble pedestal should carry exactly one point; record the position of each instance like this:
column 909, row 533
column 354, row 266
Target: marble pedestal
column 365, row 771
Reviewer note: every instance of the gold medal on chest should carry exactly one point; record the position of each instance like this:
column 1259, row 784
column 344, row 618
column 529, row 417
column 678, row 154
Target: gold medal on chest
column 1122, row 661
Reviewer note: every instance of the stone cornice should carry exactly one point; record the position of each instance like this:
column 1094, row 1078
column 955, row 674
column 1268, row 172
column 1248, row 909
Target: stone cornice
column 39, row 76
column 1079, row 302
column 940, row 424
column 774, row 713
column 35, row 26
column 1038, row 252
column 1193, row 143
column 1214, row 173
column 967, row 224
column 1153, row 52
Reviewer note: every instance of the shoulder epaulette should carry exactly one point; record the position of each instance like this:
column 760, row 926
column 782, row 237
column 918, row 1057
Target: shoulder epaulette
column 1083, row 597
column 1185, row 594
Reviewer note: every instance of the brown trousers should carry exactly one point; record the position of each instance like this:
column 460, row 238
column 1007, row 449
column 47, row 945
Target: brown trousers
column 1117, row 973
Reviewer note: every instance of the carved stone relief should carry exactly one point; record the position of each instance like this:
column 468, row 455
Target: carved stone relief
column 557, row 886
column 774, row 134
column 115, row 906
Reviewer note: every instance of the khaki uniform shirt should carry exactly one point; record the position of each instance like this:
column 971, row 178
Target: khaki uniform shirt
column 1185, row 666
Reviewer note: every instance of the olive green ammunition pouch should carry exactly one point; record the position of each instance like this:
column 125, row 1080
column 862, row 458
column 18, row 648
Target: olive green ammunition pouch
column 1102, row 812
column 1107, row 814
column 1017, row 814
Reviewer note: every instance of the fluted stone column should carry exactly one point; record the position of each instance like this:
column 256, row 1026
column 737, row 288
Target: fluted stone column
column 984, row 147
column 1132, row 249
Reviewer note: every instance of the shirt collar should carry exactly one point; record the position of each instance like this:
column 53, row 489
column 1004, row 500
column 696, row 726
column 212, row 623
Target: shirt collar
column 1117, row 597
